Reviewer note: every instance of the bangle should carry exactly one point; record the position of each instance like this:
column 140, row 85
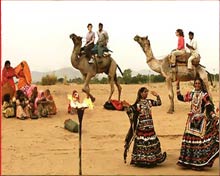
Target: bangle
column 213, row 114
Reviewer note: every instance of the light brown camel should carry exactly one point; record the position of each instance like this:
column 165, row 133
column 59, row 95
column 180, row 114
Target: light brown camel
column 105, row 65
column 162, row 67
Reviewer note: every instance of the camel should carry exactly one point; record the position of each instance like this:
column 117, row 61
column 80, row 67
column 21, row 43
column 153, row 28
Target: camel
column 105, row 64
column 180, row 73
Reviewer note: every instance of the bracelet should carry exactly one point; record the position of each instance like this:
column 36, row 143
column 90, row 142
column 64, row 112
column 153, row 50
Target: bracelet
column 213, row 114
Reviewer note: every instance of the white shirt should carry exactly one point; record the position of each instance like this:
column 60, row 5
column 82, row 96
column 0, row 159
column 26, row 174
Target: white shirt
column 193, row 43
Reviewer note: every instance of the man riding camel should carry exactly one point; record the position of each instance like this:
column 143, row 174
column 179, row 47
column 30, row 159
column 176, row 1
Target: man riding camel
column 101, row 44
column 193, row 50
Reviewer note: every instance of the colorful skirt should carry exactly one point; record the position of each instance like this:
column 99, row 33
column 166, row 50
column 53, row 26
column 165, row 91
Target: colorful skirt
column 200, row 143
column 146, row 150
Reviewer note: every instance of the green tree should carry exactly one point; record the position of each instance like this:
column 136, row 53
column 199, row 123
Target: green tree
column 127, row 76
column 49, row 80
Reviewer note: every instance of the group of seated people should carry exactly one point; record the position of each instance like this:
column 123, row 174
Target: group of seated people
column 31, row 104
column 24, row 100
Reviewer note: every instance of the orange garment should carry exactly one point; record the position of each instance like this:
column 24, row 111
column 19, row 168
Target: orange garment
column 24, row 75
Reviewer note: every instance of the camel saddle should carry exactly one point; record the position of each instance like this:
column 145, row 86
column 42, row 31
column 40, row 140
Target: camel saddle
column 183, row 59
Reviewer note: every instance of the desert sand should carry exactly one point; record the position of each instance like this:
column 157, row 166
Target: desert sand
column 44, row 147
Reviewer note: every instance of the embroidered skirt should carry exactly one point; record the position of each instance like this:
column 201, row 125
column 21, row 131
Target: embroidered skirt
column 146, row 150
column 200, row 143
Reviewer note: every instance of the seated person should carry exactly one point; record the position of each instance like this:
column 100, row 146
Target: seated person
column 32, row 94
column 192, row 46
column 73, row 102
column 8, row 108
column 90, row 38
column 101, row 44
column 180, row 47
column 52, row 109
column 42, row 105
column 22, row 105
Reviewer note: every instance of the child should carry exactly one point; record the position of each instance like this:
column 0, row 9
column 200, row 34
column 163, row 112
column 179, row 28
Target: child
column 146, row 151
column 73, row 102
column 22, row 105
column 8, row 109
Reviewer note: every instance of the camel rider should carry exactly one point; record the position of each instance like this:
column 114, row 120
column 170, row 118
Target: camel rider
column 90, row 38
column 102, row 42
column 180, row 47
column 193, row 50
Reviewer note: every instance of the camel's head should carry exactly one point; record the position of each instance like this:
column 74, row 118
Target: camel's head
column 143, row 41
column 77, row 40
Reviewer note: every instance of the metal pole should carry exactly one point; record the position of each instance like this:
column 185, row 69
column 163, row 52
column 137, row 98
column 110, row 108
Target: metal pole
column 80, row 113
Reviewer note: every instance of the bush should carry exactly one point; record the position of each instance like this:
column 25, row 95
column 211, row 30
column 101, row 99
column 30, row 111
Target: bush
column 49, row 80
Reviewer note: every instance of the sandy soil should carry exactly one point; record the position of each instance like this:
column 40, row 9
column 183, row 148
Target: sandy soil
column 44, row 147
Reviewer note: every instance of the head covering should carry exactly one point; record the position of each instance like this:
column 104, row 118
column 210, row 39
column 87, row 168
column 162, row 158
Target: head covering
column 27, row 74
column 30, row 90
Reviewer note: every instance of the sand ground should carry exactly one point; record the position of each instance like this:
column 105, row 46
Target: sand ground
column 44, row 147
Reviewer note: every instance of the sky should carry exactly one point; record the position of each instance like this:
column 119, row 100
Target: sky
column 38, row 31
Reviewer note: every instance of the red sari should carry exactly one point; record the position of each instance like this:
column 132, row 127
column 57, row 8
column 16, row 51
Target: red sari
column 7, row 77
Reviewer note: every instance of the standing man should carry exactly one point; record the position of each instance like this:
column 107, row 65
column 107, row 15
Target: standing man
column 102, row 40
column 193, row 50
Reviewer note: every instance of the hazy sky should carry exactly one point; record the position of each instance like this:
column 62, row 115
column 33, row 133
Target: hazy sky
column 38, row 31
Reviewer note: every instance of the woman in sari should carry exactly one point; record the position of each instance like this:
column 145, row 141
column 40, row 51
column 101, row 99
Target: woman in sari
column 200, row 142
column 146, row 150
column 8, row 85
column 32, row 94
column 52, row 109
column 7, row 75
column 23, row 73
column 42, row 104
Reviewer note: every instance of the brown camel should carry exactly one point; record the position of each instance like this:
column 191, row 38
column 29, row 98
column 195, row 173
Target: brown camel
column 180, row 73
column 105, row 65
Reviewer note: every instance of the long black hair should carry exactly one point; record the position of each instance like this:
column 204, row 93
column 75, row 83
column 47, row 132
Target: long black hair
column 7, row 97
column 140, row 91
column 203, row 87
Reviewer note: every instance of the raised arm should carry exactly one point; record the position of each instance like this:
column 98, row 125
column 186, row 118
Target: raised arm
column 180, row 97
column 156, row 102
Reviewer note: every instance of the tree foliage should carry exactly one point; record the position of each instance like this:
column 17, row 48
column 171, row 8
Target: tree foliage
column 126, row 79
column 49, row 80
